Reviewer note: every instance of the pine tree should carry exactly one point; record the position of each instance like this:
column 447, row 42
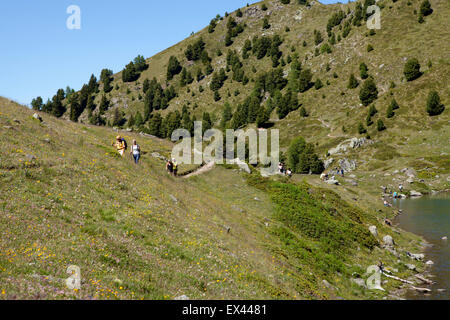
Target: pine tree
column 368, row 92
column 352, row 82
column 363, row 71
column 425, row 8
column 37, row 104
column 155, row 126
column 412, row 69
column 390, row 112
column 138, row 121
column 226, row 115
column 434, row 105
column 173, row 68
column 318, row 84
column 394, row 105
column 130, row 74
column 373, row 110
column 380, row 125
column 206, row 122
column 131, row 122
column 361, row 129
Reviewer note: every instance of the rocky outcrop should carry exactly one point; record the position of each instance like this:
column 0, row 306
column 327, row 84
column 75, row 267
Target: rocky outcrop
column 347, row 165
column 349, row 144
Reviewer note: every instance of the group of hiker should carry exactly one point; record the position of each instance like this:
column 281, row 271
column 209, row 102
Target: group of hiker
column 121, row 145
column 282, row 170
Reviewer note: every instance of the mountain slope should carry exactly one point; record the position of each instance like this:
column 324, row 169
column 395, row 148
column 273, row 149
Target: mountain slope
column 335, row 111
column 66, row 198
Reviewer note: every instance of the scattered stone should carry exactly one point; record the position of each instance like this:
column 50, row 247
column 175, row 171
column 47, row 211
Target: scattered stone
column 118, row 281
column 257, row 199
column 16, row 121
column 183, row 297
column 8, row 127
column 441, row 290
column 429, row 263
column 444, row 238
column 47, row 140
column 373, row 230
column 173, row 198
column 414, row 194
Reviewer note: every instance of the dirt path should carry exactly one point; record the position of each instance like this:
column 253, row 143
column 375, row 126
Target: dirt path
column 201, row 170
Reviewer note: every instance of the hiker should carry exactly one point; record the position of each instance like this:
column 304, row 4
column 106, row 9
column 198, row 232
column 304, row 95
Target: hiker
column 386, row 204
column 289, row 172
column 121, row 145
column 280, row 167
column 174, row 167
column 395, row 195
column 342, row 172
column 169, row 167
column 136, row 152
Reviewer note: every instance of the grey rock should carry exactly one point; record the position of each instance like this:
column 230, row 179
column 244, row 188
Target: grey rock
column 183, row 297
column 415, row 256
column 388, row 240
column 347, row 165
column 429, row 263
column 414, row 193
column 173, row 198
column 373, row 230
column 410, row 266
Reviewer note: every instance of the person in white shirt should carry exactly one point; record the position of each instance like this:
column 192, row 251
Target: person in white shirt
column 136, row 152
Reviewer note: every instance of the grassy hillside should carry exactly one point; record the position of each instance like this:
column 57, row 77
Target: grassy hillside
column 66, row 198
column 335, row 111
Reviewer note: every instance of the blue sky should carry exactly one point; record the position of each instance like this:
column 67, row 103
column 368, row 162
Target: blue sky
column 39, row 55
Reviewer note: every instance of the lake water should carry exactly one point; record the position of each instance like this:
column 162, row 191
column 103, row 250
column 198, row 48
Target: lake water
column 430, row 217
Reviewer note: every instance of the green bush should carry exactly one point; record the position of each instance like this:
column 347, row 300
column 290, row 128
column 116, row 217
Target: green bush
column 434, row 105
column 412, row 69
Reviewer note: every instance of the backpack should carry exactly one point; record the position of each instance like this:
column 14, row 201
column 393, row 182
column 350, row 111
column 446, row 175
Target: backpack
column 125, row 143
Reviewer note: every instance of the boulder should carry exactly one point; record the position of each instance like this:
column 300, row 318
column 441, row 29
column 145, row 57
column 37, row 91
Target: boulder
column 429, row 263
column 414, row 193
column 388, row 241
column 373, row 230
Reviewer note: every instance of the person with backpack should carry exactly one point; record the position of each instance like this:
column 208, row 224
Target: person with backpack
column 136, row 152
column 175, row 167
column 169, row 167
column 121, row 145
